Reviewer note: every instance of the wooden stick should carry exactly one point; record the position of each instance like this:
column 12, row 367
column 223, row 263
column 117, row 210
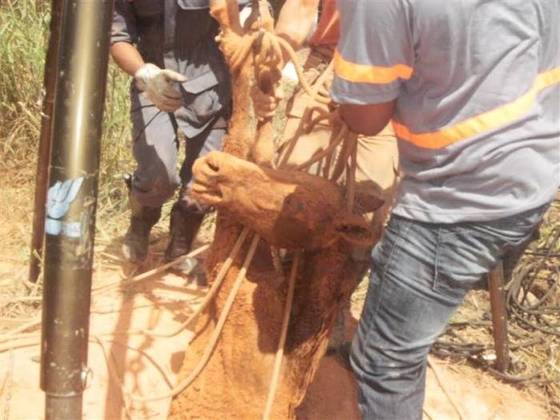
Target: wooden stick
column 283, row 334
column 499, row 317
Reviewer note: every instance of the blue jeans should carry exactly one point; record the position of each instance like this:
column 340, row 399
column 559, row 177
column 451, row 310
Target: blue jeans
column 420, row 275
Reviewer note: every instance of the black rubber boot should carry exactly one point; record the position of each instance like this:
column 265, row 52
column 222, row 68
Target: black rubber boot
column 137, row 238
column 183, row 227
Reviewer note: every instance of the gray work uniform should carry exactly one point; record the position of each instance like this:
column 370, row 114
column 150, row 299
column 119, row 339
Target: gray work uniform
column 177, row 35
column 477, row 91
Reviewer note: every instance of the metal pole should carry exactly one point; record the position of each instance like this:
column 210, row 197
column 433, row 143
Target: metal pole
column 71, row 203
column 42, row 174
column 499, row 316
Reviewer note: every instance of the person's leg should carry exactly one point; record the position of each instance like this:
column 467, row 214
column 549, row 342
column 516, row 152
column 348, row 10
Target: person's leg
column 155, row 178
column 420, row 274
column 187, row 214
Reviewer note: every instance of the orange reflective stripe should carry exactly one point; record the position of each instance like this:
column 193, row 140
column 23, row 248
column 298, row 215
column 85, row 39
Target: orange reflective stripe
column 482, row 123
column 363, row 73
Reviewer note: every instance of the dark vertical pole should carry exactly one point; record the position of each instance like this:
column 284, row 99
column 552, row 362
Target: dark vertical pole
column 499, row 316
column 42, row 174
column 71, row 203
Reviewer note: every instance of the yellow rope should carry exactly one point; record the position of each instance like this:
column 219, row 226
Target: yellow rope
column 220, row 277
column 184, row 384
column 283, row 334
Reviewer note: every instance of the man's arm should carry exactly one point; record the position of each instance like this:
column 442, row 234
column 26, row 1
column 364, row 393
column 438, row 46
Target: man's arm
column 295, row 20
column 124, row 34
column 127, row 57
column 367, row 119
column 374, row 56
column 159, row 85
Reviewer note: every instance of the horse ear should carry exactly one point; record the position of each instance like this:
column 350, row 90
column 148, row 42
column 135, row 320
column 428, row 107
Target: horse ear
column 354, row 229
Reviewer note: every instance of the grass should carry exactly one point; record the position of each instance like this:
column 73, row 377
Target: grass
column 24, row 26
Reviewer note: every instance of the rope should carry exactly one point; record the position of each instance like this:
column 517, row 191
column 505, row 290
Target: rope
column 151, row 273
column 220, row 277
column 338, row 139
column 182, row 385
column 299, row 71
column 285, row 155
column 345, row 152
column 271, row 51
column 307, row 124
column 349, row 149
column 283, row 334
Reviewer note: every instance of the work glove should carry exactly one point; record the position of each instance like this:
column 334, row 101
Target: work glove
column 160, row 86
column 265, row 104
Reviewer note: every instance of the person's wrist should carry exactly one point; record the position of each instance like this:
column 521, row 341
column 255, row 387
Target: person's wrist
column 144, row 73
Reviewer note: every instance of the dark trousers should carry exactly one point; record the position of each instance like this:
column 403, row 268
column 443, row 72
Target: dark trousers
column 155, row 150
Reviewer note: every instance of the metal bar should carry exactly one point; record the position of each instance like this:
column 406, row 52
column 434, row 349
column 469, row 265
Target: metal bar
column 42, row 173
column 71, row 203
column 499, row 316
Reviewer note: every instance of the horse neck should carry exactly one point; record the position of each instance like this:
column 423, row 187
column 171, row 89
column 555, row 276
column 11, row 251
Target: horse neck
column 241, row 127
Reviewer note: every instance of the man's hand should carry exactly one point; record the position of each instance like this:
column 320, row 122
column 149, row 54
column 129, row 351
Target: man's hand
column 265, row 104
column 160, row 86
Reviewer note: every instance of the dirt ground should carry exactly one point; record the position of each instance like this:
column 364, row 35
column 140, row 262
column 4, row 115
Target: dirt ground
column 144, row 366
column 147, row 366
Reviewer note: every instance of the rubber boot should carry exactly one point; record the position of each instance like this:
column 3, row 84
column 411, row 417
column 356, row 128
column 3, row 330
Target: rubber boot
column 183, row 227
column 137, row 238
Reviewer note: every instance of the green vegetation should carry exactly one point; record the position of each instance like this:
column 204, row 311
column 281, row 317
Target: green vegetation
column 24, row 30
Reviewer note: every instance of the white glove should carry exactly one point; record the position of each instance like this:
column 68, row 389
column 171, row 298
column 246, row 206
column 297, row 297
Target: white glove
column 160, row 86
